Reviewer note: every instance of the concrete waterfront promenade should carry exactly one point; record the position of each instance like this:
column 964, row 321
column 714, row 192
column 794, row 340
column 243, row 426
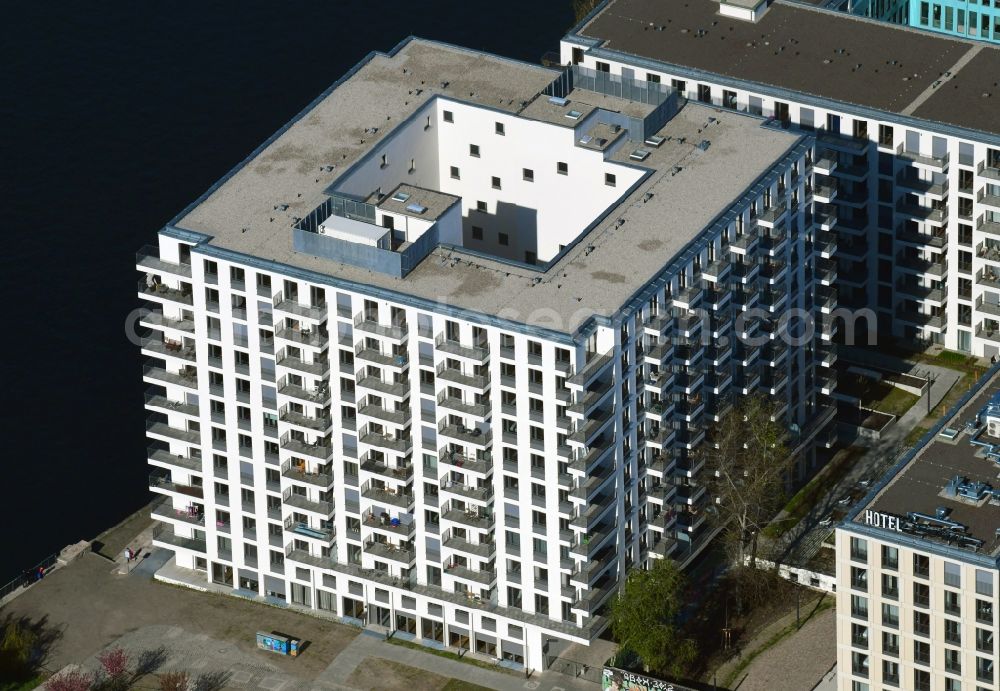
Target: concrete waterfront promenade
column 94, row 605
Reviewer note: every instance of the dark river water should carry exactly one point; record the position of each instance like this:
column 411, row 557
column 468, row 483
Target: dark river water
column 113, row 117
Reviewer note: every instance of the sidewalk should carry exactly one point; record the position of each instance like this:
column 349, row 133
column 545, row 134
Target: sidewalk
column 369, row 645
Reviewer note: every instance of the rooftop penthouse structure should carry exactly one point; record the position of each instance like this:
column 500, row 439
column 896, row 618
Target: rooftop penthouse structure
column 442, row 355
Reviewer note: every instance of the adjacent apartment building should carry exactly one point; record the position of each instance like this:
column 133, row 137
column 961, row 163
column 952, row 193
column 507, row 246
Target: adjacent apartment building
column 442, row 355
column 974, row 19
column 918, row 562
column 911, row 118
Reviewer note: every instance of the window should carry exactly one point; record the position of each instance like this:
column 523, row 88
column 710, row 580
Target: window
column 503, row 239
column 952, row 575
column 496, row 182
column 890, row 557
column 654, row 78
column 609, row 179
column 859, row 578
column 890, row 643
column 921, row 595
column 528, row 174
column 921, row 623
column 481, row 206
column 890, row 672
column 859, row 606
column 474, row 150
column 477, row 233
column 922, row 652
column 448, row 116
column 921, row 565
column 952, row 632
column 890, row 615
column 562, row 168
column 859, row 549
column 984, row 583
column 885, row 136
column 602, row 66
column 455, row 174
column 498, row 128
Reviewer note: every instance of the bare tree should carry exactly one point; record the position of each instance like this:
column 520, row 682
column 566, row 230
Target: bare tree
column 748, row 460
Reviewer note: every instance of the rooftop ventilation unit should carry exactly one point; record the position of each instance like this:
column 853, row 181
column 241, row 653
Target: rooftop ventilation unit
column 558, row 101
column 416, row 208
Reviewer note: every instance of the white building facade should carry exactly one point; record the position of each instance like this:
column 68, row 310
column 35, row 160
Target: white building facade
column 326, row 434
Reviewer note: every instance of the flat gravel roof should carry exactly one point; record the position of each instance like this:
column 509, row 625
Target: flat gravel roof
column 831, row 55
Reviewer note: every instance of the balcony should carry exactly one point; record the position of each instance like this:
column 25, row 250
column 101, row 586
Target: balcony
column 308, row 337
column 364, row 353
column 483, row 577
column 476, row 382
column 985, row 307
column 321, row 448
column 937, row 241
column 987, row 199
column 485, row 550
column 161, row 292
column 315, row 313
column 453, row 403
column 318, row 368
column 989, row 169
column 471, row 518
column 470, row 492
column 395, row 332
column 919, row 265
column 920, row 292
column 168, row 433
column 401, row 445
column 400, row 418
column 387, row 495
column 303, row 503
column 303, row 529
column 716, row 271
column 744, row 244
column 392, row 552
column 594, row 366
column 478, row 353
column 383, row 523
column 912, row 183
column 989, row 330
column 936, row 163
column 927, row 214
column 591, row 427
column 298, row 419
column 399, row 390
column 688, row 298
column 164, row 536
column 186, row 377
column 298, row 473
column 164, row 457
column 475, row 436
column 398, row 473
column 161, row 482
column 319, row 394
column 465, row 463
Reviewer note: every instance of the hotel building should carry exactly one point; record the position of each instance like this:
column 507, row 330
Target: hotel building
column 918, row 562
column 440, row 356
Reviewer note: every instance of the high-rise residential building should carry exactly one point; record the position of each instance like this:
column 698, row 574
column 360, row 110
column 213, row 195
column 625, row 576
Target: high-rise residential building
column 910, row 117
column 443, row 354
column 918, row 562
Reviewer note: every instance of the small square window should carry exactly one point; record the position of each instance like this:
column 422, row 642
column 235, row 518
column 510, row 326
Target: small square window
column 562, row 168
column 609, row 179
column 528, row 174
column 499, row 128
column 455, row 173
column 481, row 206
column 474, row 150
column 448, row 117
column 477, row 233
column 496, row 182
column 504, row 239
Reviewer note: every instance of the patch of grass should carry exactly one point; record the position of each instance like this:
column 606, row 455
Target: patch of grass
column 914, row 436
column 448, row 654
column 459, row 685
column 803, row 500
column 950, row 358
column 896, row 402
column 28, row 685
column 824, row 604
